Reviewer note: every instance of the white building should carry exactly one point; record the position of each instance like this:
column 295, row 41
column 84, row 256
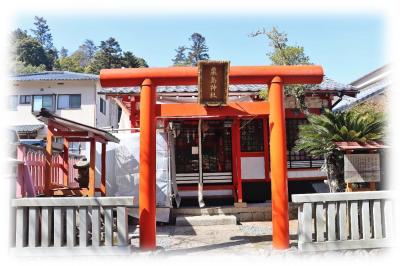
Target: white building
column 372, row 88
column 67, row 94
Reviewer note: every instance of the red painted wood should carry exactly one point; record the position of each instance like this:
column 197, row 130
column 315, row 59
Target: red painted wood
column 252, row 154
column 187, row 110
column 310, row 74
column 266, row 149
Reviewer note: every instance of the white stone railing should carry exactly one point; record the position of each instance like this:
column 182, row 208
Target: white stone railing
column 71, row 222
column 348, row 220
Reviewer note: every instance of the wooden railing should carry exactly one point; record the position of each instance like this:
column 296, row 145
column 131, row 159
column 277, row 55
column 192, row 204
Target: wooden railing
column 71, row 222
column 349, row 220
column 34, row 159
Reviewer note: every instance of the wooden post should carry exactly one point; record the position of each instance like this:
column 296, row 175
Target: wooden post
column 279, row 189
column 66, row 162
column 48, row 159
column 147, row 182
column 266, row 148
column 234, row 160
column 237, row 159
column 92, row 167
column 103, row 169
column 200, row 184
column 133, row 113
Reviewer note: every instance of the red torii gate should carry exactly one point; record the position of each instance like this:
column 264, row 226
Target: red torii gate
column 150, row 78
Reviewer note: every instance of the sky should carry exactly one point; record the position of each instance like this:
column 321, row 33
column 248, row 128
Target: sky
column 347, row 46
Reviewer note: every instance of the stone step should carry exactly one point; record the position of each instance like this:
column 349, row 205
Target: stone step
column 206, row 220
column 252, row 212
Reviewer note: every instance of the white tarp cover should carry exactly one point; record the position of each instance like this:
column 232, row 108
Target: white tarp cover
column 122, row 168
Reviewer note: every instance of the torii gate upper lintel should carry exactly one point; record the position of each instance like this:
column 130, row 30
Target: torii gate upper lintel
column 150, row 78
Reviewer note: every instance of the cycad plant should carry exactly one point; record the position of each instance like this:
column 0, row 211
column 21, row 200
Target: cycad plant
column 318, row 138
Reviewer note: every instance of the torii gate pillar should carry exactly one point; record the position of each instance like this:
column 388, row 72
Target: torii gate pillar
column 279, row 189
column 147, row 179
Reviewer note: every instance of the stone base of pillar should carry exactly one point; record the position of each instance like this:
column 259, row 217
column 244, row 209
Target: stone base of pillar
column 240, row 204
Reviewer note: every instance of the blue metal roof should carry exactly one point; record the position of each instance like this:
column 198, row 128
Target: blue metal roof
column 326, row 85
column 363, row 95
column 54, row 75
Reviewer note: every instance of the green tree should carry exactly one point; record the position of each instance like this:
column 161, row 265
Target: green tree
column 198, row 50
column 30, row 52
column 319, row 136
column 180, row 57
column 18, row 67
column 109, row 55
column 86, row 52
column 69, row 63
column 130, row 60
column 370, row 108
column 284, row 54
column 42, row 33
column 18, row 34
column 63, row 52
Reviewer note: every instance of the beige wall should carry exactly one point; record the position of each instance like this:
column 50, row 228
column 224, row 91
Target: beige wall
column 85, row 115
column 86, row 88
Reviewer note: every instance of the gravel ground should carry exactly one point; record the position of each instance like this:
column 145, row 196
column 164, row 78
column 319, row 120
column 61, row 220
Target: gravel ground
column 250, row 238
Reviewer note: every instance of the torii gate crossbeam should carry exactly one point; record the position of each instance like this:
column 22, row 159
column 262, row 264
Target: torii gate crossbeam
column 150, row 78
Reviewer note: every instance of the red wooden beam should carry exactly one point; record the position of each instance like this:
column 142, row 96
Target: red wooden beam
column 310, row 74
column 48, row 157
column 194, row 109
column 266, row 148
column 78, row 139
column 92, row 166
column 70, row 134
column 66, row 162
column 103, row 170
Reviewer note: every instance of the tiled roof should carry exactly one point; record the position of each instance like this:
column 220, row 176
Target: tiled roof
column 182, row 89
column 27, row 128
column 353, row 145
column 326, row 85
column 54, row 75
column 363, row 95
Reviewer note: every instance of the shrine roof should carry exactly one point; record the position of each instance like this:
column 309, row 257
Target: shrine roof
column 327, row 85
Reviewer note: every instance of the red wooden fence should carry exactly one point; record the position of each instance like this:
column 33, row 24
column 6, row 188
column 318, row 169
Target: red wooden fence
column 34, row 159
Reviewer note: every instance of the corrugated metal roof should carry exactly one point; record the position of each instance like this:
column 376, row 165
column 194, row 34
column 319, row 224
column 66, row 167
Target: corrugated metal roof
column 326, row 85
column 54, row 75
column 365, row 94
column 27, row 128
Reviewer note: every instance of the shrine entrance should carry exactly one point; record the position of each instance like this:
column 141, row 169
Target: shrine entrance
column 273, row 76
column 215, row 153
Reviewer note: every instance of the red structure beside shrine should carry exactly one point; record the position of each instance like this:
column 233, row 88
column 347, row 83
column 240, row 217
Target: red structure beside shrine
column 273, row 76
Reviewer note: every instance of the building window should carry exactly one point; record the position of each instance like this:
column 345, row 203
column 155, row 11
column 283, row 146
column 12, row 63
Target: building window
column 298, row 159
column 251, row 135
column 25, row 99
column 43, row 101
column 292, row 131
column 102, row 106
column 69, row 101
column 12, row 102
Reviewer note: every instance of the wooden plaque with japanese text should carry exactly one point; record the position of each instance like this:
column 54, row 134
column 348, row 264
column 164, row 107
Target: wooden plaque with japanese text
column 360, row 168
column 213, row 82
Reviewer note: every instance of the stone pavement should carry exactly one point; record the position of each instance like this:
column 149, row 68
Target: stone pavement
column 250, row 238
